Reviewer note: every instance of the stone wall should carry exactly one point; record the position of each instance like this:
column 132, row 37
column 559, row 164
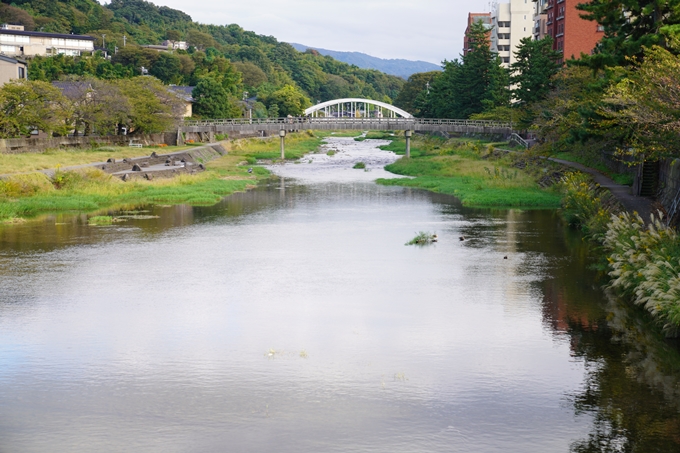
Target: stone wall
column 38, row 145
column 669, row 186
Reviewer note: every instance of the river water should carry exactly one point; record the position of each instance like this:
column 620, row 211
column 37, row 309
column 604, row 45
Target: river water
column 292, row 318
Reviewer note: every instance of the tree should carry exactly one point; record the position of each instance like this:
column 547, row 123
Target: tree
column 534, row 67
column 471, row 85
column 200, row 40
column 645, row 106
column 31, row 105
column 251, row 75
column 413, row 88
column 167, row 68
column 212, row 100
column 289, row 100
column 629, row 27
column 153, row 108
column 17, row 16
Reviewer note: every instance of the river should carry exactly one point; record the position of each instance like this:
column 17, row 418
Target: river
column 293, row 318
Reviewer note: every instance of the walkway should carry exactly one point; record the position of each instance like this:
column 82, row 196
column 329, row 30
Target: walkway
column 641, row 205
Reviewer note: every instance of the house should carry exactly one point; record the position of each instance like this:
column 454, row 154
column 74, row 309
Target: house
column 11, row 69
column 184, row 93
column 15, row 41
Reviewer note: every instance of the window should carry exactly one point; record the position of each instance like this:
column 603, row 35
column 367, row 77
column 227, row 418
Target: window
column 8, row 49
column 505, row 59
column 22, row 72
column 600, row 28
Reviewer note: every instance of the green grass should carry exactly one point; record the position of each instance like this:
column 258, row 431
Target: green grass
column 100, row 220
column 359, row 166
column 465, row 169
column 377, row 135
column 27, row 196
column 296, row 146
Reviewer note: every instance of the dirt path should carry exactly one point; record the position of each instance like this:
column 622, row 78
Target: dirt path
column 641, row 205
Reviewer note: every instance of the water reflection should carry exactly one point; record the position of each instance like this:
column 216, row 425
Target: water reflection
column 186, row 331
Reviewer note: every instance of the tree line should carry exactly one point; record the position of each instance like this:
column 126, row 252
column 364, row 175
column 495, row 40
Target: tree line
column 622, row 100
column 238, row 60
column 88, row 106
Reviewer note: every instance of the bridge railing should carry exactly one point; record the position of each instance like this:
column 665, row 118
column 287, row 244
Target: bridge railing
column 286, row 122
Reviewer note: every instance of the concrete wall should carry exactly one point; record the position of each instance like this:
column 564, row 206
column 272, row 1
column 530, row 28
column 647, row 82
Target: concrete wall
column 38, row 145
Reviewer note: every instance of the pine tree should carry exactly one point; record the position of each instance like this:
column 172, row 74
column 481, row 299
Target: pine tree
column 535, row 65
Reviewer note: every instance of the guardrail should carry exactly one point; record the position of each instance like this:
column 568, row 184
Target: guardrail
column 519, row 140
column 286, row 122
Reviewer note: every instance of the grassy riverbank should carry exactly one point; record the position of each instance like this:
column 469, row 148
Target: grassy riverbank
column 22, row 163
column 471, row 170
column 23, row 196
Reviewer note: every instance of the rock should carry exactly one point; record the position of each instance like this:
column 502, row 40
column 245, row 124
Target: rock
column 103, row 167
column 167, row 161
column 125, row 177
column 154, row 154
column 111, row 160
column 184, row 160
column 144, row 164
column 136, row 167
column 201, row 166
column 127, row 161
column 149, row 176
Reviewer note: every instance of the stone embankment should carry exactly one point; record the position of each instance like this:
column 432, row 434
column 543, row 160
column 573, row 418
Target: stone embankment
column 156, row 165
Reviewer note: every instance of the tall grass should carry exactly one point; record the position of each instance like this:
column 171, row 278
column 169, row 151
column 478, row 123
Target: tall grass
column 586, row 205
column 465, row 169
column 296, row 146
column 645, row 266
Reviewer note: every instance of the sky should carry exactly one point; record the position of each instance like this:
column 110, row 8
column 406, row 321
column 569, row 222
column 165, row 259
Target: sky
column 428, row 30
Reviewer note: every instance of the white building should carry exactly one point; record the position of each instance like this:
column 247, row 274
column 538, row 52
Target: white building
column 15, row 41
column 510, row 23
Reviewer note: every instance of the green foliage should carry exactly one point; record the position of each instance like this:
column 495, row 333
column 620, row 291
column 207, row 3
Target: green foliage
column 359, row 166
column 414, row 92
column 471, row 85
column 630, row 26
column 153, row 108
column 167, row 68
column 28, row 105
column 534, row 67
column 100, row 220
column 289, row 101
column 212, row 100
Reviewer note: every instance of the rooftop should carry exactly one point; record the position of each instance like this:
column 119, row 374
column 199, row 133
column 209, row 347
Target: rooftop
column 41, row 34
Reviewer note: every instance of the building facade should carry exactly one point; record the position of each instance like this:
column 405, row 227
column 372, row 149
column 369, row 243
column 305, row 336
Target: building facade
column 511, row 22
column 541, row 19
column 12, row 69
column 472, row 18
column 571, row 34
column 15, row 41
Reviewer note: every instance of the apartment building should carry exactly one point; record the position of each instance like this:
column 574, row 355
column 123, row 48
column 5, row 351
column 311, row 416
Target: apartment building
column 473, row 18
column 511, row 22
column 15, row 41
column 541, row 20
column 571, row 34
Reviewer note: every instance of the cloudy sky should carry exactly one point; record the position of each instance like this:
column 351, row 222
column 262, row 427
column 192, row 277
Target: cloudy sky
column 429, row 30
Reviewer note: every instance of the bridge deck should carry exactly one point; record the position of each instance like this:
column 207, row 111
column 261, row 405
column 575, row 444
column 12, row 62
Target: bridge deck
column 361, row 124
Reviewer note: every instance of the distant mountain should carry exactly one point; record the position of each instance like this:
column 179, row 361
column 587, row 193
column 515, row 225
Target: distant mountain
column 401, row 68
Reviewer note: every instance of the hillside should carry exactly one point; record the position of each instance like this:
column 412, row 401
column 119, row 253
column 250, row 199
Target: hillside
column 258, row 64
column 398, row 67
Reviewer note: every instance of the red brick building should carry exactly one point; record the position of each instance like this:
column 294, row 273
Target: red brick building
column 472, row 18
column 571, row 34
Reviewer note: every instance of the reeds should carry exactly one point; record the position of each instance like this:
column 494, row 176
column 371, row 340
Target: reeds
column 645, row 265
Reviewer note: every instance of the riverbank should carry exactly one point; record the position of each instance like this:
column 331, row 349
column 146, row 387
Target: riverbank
column 32, row 190
column 475, row 172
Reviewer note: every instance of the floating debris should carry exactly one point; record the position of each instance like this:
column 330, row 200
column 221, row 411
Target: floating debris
column 423, row 238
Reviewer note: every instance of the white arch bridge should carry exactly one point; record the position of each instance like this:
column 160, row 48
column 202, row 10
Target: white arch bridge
column 345, row 114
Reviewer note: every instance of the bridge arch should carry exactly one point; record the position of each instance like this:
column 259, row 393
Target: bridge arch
column 351, row 106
